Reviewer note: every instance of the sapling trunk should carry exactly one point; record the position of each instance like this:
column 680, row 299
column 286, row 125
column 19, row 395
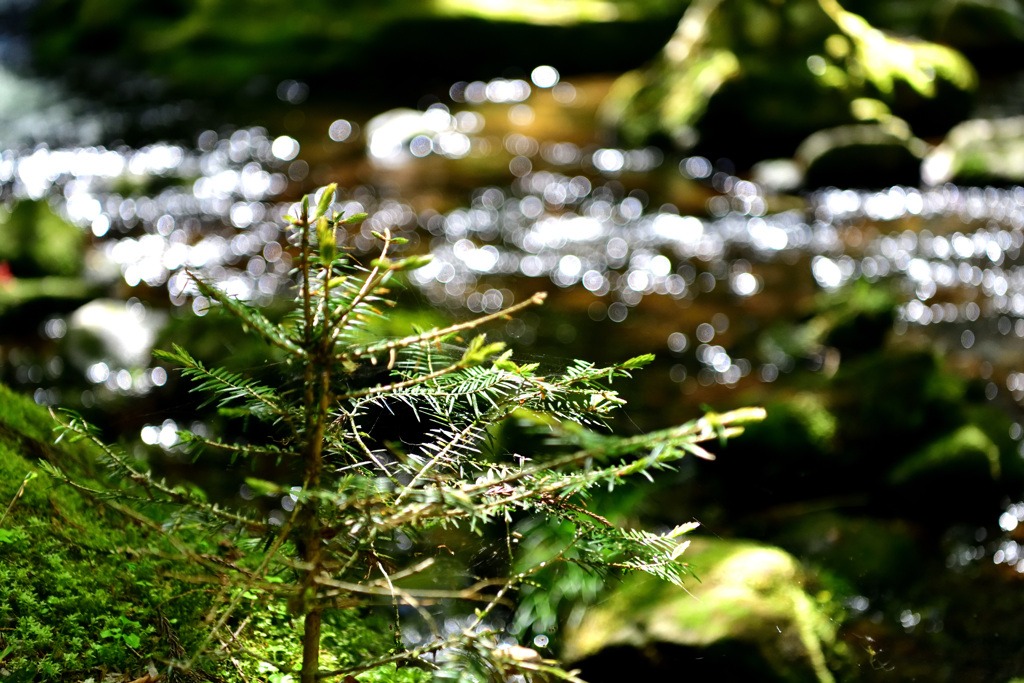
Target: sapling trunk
column 310, row 529
column 317, row 376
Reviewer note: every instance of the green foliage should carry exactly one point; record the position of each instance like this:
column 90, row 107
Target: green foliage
column 74, row 596
column 206, row 47
column 749, row 593
column 883, row 60
column 779, row 71
column 383, row 455
column 37, row 242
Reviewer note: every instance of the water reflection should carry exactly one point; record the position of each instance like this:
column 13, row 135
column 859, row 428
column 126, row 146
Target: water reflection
column 572, row 212
column 565, row 215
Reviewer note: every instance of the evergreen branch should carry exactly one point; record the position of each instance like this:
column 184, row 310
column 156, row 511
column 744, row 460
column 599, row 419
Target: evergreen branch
column 21, row 489
column 464, row 433
column 247, row 450
column 175, row 495
column 473, row 385
column 436, row 334
column 100, row 494
column 398, row 386
column 542, row 486
column 414, row 654
column 255, row 320
column 471, row 593
column 354, row 431
column 695, row 431
column 341, row 314
column 230, row 386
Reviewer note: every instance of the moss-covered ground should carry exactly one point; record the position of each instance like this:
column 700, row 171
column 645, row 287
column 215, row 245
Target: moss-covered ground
column 88, row 593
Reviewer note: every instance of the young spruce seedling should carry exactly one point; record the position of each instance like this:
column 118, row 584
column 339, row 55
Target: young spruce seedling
column 355, row 494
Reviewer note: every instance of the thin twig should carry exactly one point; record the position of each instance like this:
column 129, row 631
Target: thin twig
column 430, row 335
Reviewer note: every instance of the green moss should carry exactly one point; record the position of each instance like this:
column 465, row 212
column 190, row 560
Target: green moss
column 73, row 595
column 968, row 451
column 45, row 291
column 856, row 319
column 37, row 242
column 742, row 65
column 859, row 552
column 801, row 424
column 896, row 398
column 79, row 593
column 205, row 48
column 750, row 598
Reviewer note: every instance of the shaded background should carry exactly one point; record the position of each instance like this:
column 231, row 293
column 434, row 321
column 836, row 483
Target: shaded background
column 844, row 254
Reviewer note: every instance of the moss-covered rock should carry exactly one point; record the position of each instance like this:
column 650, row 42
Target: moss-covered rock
column 750, row 79
column 861, row 553
column 966, row 455
column 781, row 459
column 749, row 613
column 979, row 152
column 963, row 469
column 985, row 30
column 41, row 259
column 892, row 403
column 892, row 430
column 36, row 242
column 854, row 320
column 867, row 155
column 235, row 48
column 25, row 300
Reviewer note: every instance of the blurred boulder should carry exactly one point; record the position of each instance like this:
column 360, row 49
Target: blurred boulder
column 830, row 540
column 866, row 155
column 979, row 152
column 897, row 399
column 41, row 261
column 749, row 618
column 750, row 79
column 854, row 320
column 36, row 242
column 987, row 30
column 963, row 469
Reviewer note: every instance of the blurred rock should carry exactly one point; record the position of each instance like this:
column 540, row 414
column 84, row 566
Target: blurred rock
column 26, row 301
column 41, row 260
column 749, row 618
column 965, row 456
column 892, row 431
column 370, row 51
column 750, row 79
column 979, row 152
column 986, row 30
column 829, row 540
column 35, row 241
column 854, row 320
column 867, row 155
column 890, row 404
column 962, row 469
